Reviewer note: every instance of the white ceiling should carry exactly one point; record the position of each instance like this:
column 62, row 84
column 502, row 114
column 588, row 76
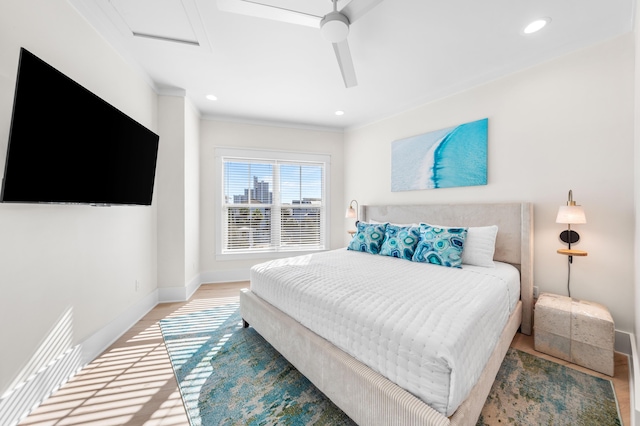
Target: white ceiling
column 405, row 52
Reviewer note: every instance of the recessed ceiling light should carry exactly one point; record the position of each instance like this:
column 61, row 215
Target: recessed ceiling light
column 339, row 112
column 212, row 97
column 536, row 25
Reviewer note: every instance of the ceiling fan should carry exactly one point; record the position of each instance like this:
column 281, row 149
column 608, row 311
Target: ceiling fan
column 334, row 26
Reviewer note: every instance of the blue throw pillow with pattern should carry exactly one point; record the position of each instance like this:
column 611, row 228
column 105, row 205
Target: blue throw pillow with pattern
column 368, row 238
column 400, row 241
column 440, row 245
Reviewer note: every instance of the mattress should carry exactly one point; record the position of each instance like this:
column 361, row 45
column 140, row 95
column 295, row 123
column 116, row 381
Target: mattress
column 429, row 329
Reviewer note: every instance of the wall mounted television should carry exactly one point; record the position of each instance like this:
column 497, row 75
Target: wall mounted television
column 67, row 145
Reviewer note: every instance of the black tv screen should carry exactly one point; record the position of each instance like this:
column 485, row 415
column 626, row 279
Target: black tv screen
column 66, row 145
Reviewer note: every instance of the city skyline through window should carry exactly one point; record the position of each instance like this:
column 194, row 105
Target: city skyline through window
column 298, row 183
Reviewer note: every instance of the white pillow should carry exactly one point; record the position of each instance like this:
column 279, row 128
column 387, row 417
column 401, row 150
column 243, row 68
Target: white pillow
column 480, row 246
column 401, row 225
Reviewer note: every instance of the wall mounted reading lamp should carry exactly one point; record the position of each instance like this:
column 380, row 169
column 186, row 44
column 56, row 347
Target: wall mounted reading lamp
column 570, row 214
column 352, row 213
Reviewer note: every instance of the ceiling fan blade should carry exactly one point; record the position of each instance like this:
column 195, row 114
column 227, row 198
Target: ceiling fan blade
column 343, row 54
column 358, row 8
column 259, row 10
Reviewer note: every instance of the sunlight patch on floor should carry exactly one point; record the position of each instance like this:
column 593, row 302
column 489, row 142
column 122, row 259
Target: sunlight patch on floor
column 116, row 387
column 131, row 383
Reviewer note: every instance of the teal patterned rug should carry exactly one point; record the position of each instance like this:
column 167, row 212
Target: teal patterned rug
column 533, row 391
column 231, row 376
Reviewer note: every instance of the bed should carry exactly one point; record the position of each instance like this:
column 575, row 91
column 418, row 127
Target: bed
column 374, row 397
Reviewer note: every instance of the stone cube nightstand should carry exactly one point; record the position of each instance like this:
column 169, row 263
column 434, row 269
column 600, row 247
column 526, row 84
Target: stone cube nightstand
column 575, row 330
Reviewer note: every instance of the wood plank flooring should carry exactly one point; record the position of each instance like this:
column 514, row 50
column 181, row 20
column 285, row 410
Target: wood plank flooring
column 132, row 382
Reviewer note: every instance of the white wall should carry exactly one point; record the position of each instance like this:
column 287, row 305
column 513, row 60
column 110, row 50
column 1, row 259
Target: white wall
column 178, row 198
column 566, row 124
column 192, row 194
column 69, row 266
column 635, row 414
column 170, row 192
column 239, row 135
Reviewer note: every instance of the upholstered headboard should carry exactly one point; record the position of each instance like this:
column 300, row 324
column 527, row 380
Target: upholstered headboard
column 514, row 242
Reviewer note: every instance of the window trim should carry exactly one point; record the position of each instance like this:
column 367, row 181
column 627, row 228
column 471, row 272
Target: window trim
column 269, row 155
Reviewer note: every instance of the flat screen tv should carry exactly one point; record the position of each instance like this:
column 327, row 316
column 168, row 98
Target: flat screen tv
column 66, row 145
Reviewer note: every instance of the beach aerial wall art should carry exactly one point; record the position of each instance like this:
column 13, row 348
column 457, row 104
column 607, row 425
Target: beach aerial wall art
column 446, row 158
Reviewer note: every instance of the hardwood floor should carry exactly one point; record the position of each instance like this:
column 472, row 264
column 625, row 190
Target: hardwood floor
column 132, row 382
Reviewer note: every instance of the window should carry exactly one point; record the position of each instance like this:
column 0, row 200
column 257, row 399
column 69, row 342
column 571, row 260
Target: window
column 272, row 202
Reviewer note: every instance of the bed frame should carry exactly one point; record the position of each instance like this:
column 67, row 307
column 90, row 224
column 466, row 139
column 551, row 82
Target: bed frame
column 365, row 395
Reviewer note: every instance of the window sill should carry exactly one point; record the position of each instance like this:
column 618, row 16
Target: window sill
column 267, row 255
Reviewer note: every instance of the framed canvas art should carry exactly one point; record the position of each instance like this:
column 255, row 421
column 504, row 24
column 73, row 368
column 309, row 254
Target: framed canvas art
column 446, row 158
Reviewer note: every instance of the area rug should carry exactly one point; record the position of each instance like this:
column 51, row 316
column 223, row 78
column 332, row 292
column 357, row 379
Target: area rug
column 229, row 375
column 533, row 391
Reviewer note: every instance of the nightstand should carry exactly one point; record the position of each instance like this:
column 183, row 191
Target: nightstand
column 575, row 330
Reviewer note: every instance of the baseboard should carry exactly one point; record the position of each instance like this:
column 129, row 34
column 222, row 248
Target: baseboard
column 27, row 395
column 172, row 294
column 181, row 294
column 623, row 341
column 225, row 276
column 101, row 340
column 634, row 380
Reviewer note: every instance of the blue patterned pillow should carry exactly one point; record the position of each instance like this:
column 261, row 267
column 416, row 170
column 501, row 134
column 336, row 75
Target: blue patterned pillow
column 440, row 245
column 400, row 241
column 368, row 238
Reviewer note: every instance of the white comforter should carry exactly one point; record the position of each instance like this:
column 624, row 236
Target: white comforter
column 429, row 329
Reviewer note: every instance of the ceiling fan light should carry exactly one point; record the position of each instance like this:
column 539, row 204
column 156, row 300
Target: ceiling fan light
column 334, row 27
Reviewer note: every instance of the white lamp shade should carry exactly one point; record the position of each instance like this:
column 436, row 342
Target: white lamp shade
column 351, row 213
column 571, row 215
